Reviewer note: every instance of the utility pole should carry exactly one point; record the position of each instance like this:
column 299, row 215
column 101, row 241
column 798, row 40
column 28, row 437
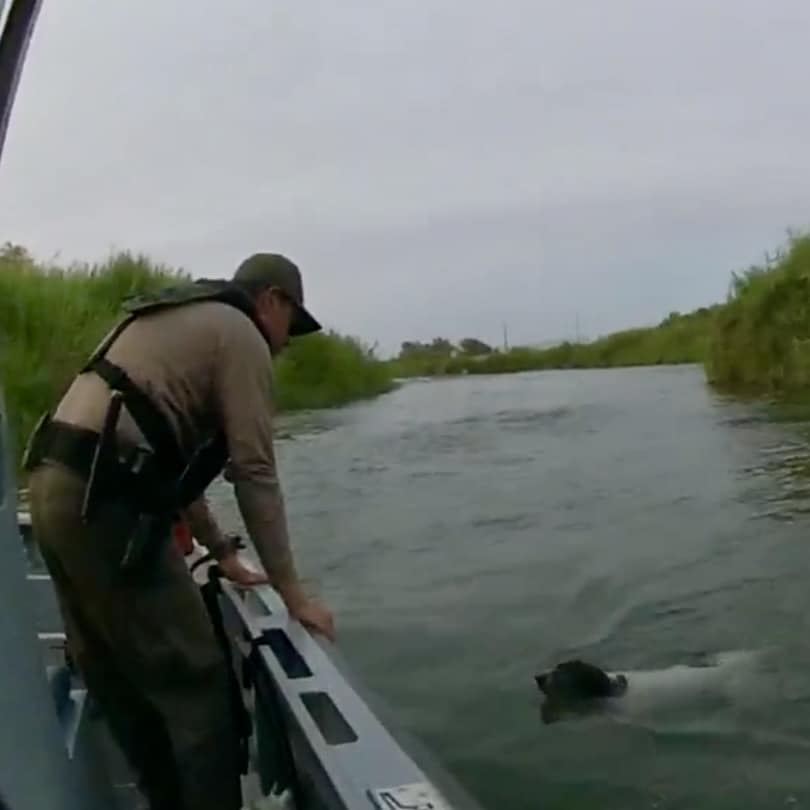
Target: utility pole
column 505, row 338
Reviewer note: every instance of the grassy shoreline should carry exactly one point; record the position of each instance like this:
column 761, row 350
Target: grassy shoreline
column 761, row 340
column 678, row 339
column 51, row 318
column 754, row 345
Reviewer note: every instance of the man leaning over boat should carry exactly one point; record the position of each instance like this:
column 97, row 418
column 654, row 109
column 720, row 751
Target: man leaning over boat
column 181, row 386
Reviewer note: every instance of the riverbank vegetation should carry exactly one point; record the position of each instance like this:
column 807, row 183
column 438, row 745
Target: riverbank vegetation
column 327, row 370
column 756, row 343
column 760, row 343
column 677, row 339
column 51, row 318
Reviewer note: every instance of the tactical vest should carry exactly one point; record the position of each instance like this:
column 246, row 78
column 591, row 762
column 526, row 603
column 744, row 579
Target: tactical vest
column 163, row 479
column 190, row 475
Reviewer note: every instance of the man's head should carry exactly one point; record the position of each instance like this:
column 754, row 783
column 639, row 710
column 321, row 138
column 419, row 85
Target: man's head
column 274, row 283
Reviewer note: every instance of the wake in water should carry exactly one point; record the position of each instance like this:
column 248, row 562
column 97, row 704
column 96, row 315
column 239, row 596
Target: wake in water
column 576, row 689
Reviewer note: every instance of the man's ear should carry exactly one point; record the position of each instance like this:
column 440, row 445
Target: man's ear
column 262, row 298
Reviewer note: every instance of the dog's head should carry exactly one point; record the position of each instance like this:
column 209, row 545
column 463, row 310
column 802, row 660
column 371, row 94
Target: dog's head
column 574, row 681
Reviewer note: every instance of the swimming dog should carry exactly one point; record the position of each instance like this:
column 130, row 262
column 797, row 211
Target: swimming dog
column 576, row 688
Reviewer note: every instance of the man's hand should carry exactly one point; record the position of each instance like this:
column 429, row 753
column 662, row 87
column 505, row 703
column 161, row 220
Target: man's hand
column 317, row 618
column 239, row 574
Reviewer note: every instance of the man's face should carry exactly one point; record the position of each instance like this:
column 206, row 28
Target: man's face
column 275, row 312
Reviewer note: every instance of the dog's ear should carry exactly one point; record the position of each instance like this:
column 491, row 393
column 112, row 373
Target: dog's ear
column 618, row 686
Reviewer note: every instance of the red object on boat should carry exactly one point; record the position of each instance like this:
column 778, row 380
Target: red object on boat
column 183, row 538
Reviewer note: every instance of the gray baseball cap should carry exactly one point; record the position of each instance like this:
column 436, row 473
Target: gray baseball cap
column 262, row 270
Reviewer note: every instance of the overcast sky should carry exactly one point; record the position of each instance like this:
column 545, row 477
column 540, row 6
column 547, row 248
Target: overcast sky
column 435, row 167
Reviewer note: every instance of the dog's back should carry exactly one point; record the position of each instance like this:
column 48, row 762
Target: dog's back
column 682, row 687
column 576, row 687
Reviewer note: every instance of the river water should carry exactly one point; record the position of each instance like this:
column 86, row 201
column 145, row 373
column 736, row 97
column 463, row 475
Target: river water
column 473, row 531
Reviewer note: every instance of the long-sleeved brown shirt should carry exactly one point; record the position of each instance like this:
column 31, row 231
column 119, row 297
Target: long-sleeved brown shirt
column 205, row 365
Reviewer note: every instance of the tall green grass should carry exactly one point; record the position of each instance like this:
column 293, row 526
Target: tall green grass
column 52, row 317
column 761, row 340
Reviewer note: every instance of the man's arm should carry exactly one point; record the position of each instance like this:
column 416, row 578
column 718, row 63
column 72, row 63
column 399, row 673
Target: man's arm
column 243, row 391
column 205, row 528
column 243, row 394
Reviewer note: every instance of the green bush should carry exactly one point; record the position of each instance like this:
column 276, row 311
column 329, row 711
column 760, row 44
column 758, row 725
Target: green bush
column 51, row 318
column 761, row 340
column 327, row 369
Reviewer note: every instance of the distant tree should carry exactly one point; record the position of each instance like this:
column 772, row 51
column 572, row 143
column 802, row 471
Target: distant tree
column 438, row 347
column 17, row 254
column 442, row 346
column 410, row 347
column 474, row 346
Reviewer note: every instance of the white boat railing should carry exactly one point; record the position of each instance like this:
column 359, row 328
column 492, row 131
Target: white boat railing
column 337, row 753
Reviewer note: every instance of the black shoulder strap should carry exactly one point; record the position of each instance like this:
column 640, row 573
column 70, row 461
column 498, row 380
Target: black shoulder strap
column 153, row 425
column 151, row 422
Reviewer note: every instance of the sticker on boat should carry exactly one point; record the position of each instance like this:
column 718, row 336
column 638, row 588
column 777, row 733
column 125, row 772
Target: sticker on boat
column 416, row 796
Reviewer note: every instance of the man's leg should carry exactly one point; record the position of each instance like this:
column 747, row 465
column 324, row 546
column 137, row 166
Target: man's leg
column 146, row 647
column 182, row 671
column 137, row 728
